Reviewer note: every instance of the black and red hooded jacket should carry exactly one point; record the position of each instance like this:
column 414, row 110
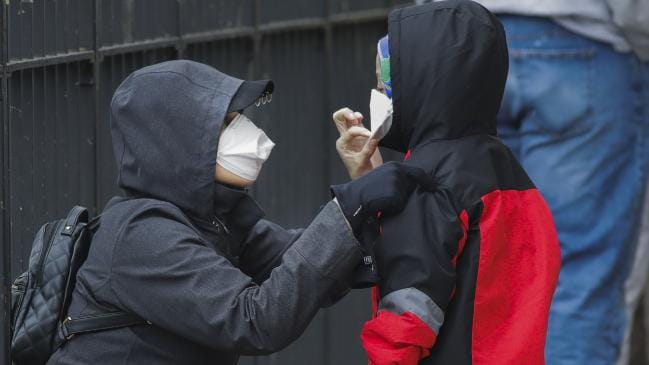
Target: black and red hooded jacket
column 467, row 271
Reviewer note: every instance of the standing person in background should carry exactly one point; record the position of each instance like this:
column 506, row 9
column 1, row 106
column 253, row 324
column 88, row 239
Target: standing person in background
column 575, row 114
column 634, row 350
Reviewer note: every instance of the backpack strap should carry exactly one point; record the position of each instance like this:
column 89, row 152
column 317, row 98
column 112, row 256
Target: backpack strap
column 94, row 224
column 100, row 322
column 76, row 215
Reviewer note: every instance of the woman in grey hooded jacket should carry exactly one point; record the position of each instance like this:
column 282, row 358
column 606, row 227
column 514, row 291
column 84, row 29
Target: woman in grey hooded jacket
column 192, row 256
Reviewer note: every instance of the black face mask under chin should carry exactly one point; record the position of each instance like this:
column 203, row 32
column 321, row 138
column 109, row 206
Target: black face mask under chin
column 232, row 187
column 394, row 139
column 238, row 209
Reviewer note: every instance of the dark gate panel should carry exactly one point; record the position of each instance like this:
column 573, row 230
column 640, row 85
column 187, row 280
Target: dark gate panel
column 62, row 60
column 358, row 44
column 199, row 16
column 296, row 121
column 5, row 262
column 51, row 148
column 233, row 56
column 128, row 21
column 47, row 28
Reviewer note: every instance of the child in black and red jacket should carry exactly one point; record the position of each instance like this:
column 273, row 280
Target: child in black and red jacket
column 468, row 271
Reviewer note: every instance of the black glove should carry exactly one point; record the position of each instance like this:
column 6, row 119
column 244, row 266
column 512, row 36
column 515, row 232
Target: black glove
column 385, row 189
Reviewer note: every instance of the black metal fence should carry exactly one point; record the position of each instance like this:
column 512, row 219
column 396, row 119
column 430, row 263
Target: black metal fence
column 62, row 59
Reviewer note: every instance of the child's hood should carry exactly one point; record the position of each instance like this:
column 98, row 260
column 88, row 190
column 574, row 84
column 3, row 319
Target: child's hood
column 449, row 65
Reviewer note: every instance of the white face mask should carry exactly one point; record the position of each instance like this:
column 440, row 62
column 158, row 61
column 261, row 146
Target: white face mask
column 380, row 114
column 243, row 148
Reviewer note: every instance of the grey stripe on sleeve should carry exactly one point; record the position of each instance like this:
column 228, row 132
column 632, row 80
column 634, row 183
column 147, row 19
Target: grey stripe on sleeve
column 414, row 301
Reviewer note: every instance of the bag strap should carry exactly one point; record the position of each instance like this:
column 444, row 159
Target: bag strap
column 71, row 327
column 100, row 322
column 94, row 224
column 76, row 215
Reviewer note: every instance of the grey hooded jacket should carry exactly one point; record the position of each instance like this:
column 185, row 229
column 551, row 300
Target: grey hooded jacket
column 193, row 257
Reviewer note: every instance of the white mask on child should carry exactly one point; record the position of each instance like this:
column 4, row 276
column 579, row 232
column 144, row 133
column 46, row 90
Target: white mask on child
column 243, row 148
column 380, row 114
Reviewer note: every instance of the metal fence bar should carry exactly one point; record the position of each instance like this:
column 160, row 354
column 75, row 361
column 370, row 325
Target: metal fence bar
column 217, row 35
column 181, row 40
column 137, row 46
column 96, row 80
column 12, row 66
column 5, row 208
column 328, row 101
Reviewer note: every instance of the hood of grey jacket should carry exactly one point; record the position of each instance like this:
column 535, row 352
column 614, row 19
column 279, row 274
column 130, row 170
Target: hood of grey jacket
column 166, row 120
column 165, row 123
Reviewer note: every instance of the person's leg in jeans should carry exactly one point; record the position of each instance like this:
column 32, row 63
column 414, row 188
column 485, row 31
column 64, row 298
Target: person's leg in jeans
column 636, row 282
column 574, row 114
column 645, row 304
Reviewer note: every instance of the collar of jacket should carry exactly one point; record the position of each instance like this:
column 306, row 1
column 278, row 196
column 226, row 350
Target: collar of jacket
column 236, row 210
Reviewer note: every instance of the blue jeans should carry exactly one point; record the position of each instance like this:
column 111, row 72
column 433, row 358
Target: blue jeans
column 576, row 115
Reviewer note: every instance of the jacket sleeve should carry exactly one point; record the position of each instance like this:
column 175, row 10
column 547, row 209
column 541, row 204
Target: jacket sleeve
column 163, row 272
column 264, row 247
column 416, row 260
column 263, row 251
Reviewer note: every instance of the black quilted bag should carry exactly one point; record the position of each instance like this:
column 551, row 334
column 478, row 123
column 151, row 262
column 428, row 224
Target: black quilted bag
column 41, row 295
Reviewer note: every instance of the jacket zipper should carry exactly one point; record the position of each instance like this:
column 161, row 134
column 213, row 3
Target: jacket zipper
column 216, row 222
column 22, row 289
column 45, row 251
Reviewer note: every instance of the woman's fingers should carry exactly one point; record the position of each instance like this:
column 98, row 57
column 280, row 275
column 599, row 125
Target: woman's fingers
column 346, row 118
column 340, row 120
column 339, row 115
column 355, row 149
column 358, row 118
column 376, row 159
column 354, row 132
column 368, row 150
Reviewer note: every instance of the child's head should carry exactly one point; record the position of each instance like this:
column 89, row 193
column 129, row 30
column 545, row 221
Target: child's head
column 444, row 65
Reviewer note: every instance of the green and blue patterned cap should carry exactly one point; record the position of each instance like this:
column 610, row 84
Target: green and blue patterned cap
column 383, row 49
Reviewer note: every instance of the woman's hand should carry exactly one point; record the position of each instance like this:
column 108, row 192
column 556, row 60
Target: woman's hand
column 358, row 152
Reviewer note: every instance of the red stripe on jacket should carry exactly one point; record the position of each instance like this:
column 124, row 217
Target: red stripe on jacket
column 517, row 272
column 392, row 339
